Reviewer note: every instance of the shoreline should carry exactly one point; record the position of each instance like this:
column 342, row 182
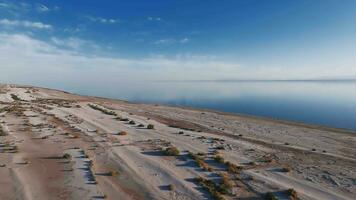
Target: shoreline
column 256, row 117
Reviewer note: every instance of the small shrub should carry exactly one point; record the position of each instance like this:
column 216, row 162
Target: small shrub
column 292, row 194
column 66, row 156
column 150, row 126
column 225, row 183
column 172, row 151
column 141, row 126
column 15, row 97
column 210, row 186
column 285, row 169
column 221, row 147
column 103, row 110
column 2, row 132
column 270, row 196
column 132, row 122
column 286, row 143
column 232, row 168
column 219, row 159
column 171, row 187
column 122, row 133
column 113, row 173
column 252, row 163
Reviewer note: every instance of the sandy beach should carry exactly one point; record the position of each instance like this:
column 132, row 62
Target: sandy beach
column 57, row 145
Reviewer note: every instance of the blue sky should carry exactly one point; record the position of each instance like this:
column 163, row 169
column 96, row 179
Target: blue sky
column 176, row 40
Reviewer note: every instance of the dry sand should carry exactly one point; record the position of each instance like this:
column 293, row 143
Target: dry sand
column 56, row 145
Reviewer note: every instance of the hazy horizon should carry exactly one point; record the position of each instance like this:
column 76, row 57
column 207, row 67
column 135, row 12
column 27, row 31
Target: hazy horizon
column 53, row 43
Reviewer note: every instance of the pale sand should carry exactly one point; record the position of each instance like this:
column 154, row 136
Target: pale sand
column 46, row 124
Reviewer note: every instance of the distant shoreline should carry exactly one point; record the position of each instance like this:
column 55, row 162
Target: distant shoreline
column 257, row 80
column 256, row 117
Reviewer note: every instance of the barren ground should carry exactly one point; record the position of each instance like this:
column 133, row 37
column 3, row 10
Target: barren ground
column 56, row 145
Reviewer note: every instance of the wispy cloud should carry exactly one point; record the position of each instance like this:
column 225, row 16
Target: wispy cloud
column 169, row 41
column 26, row 24
column 154, row 18
column 22, row 53
column 44, row 8
column 74, row 43
column 102, row 20
column 14, row 8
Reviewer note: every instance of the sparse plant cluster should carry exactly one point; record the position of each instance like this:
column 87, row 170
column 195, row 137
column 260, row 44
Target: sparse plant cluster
column 150, row 126
column 171, row 187
column 66, row 156
column 292, row 194
column 171, row 151
column 122, row 119
column 15, row 97
column 103, row 110
column 8, row 148
column 225, row 183
column 14, row 109
column 285, row 169
column 110, row 173
column 113, row 173
column 219, row 159
column 233, row 168
column 270, row 196
column 122, row 133
column 200, row 161
column 211, row 187
column 2, row 132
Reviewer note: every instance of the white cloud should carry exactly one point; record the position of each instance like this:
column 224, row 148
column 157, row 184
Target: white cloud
column 102, row 20
column 26, row 24
column 165, row 41
column 73, row 43
column 27, row 60
column 14, row 8
column 169, row 41
column 154, row 18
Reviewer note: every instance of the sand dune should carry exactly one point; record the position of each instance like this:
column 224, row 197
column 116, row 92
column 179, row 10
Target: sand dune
column 56, row 145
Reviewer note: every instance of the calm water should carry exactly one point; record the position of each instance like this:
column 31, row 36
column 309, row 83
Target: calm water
column 331, row 103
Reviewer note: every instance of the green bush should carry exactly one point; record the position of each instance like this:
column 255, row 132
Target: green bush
column 292, row 194
column 172, row 151
column 210, row 187
column 150, row 126
column 66, row 156
column 270, row 196
column 171, row 187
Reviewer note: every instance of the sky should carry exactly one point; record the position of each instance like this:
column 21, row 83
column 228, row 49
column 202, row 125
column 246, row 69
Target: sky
column 64, row 42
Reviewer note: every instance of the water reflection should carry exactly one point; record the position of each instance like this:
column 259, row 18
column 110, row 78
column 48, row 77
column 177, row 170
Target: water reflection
column 331, row 103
